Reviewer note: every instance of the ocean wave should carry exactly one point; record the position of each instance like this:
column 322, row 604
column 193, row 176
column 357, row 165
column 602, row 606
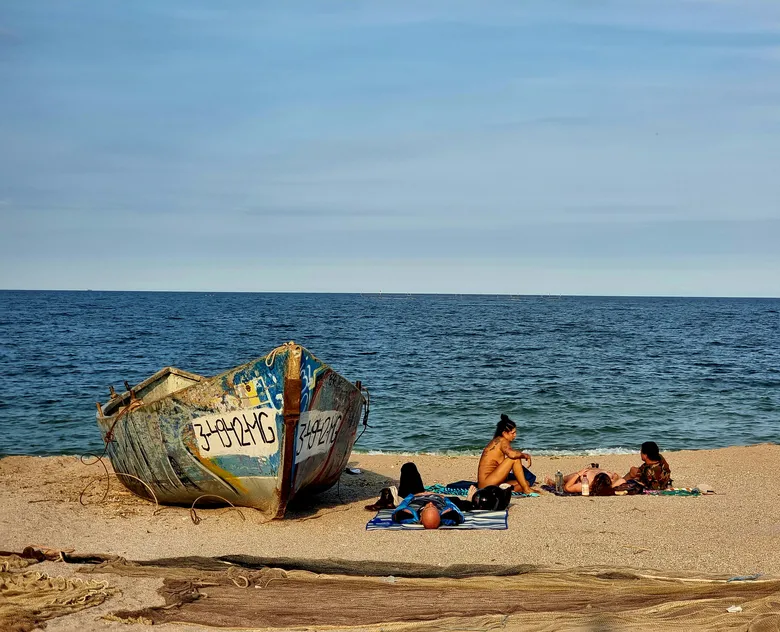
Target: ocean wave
column 545, row 452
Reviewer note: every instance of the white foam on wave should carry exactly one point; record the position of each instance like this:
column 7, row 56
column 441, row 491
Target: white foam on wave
column 593, row 452
column 422, row 453
column 541, row 452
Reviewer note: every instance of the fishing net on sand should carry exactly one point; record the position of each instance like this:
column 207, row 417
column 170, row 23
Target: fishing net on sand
column 29, row 598
column 246, row 593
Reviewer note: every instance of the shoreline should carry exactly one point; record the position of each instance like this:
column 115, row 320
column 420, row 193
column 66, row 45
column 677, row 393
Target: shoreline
column 550, row 453
column 476, row 452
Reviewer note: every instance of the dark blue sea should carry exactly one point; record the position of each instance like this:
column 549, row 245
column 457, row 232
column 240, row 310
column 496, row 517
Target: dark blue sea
column 578, row 374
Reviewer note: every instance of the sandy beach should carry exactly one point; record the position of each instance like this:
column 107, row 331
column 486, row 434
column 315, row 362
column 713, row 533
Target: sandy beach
column 734, row 532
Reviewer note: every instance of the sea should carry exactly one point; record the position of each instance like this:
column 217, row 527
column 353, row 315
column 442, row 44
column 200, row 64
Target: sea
column 578, row 374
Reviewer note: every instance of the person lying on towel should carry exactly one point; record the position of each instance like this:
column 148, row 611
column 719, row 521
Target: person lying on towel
column 426, row 508
column 500, row 463
column 654, row 473
column 429, row 509
column 601, row 482
column 432, row 509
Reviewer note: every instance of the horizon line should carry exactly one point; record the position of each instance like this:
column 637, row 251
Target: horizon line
column 549, row 296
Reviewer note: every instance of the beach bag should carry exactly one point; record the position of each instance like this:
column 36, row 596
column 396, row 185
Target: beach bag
column 492, row 498
column 630, row 487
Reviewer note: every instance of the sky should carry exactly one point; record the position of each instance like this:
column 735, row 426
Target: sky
column 549, row 147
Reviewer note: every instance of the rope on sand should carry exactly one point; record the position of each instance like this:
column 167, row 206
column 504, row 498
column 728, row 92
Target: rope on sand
column 134, row 403
column 196, row 518
column 107, row 476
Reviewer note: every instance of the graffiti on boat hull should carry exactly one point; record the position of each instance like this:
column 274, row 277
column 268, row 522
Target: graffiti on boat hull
column 249, row 432
column 317, row 432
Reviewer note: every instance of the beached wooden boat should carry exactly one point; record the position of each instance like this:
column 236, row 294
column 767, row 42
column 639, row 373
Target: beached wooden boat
column 257, row 435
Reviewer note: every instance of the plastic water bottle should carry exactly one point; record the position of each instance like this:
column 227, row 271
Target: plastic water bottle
column 585, row 486
column 559, row 482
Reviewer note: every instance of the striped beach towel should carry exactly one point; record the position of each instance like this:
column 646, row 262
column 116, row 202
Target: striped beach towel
column 474, row 520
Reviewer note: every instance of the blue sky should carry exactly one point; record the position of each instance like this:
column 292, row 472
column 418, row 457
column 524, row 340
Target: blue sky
column 626, row 148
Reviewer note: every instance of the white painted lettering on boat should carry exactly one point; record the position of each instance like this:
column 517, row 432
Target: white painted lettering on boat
column 317, row 430
column 251, row 431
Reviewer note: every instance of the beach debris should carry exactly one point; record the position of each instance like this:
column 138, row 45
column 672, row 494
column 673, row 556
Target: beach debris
column 734, row 609
column 744, row 578
column 353, row 470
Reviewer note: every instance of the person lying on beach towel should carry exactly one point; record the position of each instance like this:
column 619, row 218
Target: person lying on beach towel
column 500, row 463
column 601, row 482
column 654, row 473
column 432, row 509
column 428, row 509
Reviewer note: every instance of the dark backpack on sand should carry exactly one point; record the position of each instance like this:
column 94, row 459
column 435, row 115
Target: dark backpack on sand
column 492, row 498
column 630, row 487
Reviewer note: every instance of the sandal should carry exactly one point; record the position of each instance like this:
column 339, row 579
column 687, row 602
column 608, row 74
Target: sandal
column 385, row 501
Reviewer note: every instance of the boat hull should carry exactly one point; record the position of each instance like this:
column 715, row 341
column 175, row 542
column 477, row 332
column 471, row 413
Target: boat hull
column 257, row 436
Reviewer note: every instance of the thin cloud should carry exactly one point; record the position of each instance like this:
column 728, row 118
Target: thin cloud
column 287, row 213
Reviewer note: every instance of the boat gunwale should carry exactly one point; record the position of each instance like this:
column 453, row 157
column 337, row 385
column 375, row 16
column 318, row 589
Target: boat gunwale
column 122, row 399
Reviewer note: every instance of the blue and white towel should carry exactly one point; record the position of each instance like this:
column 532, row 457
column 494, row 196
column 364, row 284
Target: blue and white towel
column 463, row 491
column 474, row 520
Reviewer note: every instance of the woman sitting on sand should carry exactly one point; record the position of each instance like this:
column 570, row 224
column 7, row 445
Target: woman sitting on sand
column 500, row 463
column 654, row 473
